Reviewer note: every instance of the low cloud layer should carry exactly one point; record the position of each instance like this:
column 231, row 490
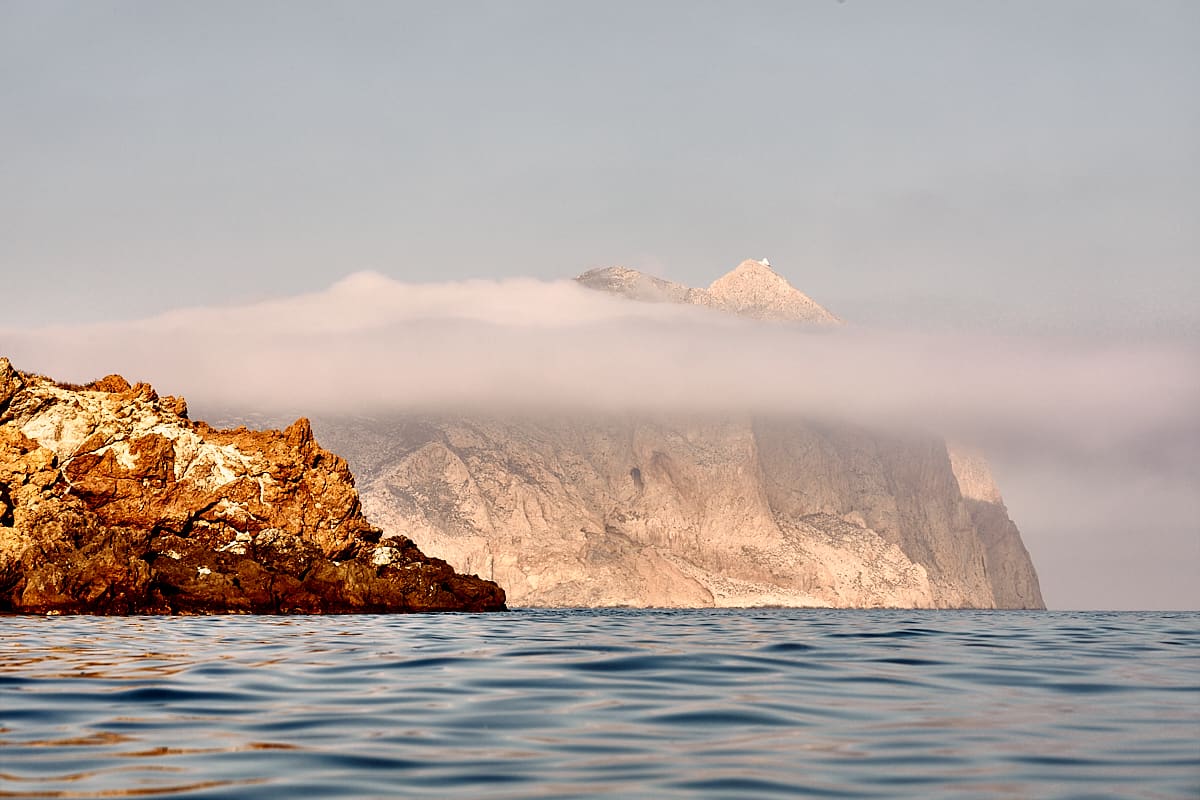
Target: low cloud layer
column 372, row 345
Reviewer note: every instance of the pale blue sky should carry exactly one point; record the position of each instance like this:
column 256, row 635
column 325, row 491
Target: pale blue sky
column 1018, row 165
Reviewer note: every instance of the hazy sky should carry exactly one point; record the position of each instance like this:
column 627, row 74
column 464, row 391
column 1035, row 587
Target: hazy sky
column 1017, row 181
column 1007, row 164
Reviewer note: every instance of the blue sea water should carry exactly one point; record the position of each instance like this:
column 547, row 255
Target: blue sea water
column 603, row 703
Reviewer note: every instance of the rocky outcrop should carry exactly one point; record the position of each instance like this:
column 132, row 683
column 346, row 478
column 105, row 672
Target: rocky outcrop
column 626, row 510
column 752, row 289
column 113, row 502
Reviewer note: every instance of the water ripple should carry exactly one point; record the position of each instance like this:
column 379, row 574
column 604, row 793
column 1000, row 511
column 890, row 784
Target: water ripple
column 590, row 703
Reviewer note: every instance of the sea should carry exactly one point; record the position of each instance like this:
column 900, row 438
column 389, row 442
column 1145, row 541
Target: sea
column 604, row 703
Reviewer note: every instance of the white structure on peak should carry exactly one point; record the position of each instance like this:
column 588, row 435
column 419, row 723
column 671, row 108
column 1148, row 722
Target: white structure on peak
column 764, row 262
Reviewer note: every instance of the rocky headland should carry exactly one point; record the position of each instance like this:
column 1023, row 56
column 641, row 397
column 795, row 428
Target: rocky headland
column 112, row 501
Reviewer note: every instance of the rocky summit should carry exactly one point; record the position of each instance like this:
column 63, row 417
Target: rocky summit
column 752, row 289
column 113, row 502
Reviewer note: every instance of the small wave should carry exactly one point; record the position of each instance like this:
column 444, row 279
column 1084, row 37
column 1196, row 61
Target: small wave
column 590, row 703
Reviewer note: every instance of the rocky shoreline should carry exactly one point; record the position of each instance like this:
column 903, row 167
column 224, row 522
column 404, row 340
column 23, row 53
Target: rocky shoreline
column 112, row 501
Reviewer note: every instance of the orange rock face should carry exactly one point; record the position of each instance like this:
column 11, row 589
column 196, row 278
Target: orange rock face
column 113, row 502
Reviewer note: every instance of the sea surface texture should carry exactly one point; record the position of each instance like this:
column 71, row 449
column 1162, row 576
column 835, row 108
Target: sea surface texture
column 604, row 703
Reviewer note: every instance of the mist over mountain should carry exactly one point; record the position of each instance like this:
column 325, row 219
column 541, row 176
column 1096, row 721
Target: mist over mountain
column 371, row 344
column 372, row 349
column 683, row 508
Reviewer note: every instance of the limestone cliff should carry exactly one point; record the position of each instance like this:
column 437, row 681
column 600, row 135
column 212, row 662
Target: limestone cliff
column 657, row 511
column 112, row 501
column 1014, row 580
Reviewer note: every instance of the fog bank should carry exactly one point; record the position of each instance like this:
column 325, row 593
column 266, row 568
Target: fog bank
column 1089, row 439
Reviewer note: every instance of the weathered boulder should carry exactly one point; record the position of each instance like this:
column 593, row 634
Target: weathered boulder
column 113, row 502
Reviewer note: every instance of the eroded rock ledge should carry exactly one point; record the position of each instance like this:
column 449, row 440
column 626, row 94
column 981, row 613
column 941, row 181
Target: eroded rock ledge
column 113, row 502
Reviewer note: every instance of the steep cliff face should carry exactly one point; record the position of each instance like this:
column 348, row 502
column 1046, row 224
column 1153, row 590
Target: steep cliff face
column 1014, row 579
column 112, row 501
column 641, row 511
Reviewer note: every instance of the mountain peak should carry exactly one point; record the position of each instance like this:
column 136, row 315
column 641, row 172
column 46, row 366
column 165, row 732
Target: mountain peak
column 751, row 289
column 752, row 271
column 635, row 285
column 753, row 265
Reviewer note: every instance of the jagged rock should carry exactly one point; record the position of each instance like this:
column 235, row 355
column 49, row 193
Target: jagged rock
column 113, row 502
